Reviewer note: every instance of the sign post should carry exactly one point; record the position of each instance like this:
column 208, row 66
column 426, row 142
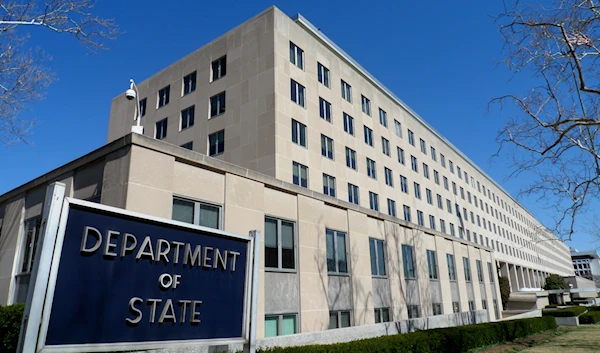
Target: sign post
column 115, row 280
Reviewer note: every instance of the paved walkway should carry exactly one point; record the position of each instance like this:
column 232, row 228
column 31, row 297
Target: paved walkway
column 585, row 339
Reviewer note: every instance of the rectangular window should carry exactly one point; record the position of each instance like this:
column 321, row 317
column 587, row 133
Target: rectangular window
column 189, row 83
column 296, row 56
column 451, row 267
column 414, row 164
column 32, row 232
column 161, row 129
column 429, row 197
column 377, row 247
column 353, row 194
column 371, row 169
column 382, row 315
column 279, row 325
column 449, row 206
column 455, row 307
column 350, row 158
column 163, row 96
column 143, row 106
column 440, row 204
column 326, row 147
column 366, row 105
column 400, row 155
column 433, row 155
column 432, row 222
column 196, row 212
column 389, row 179
column 346, row 91
column 368, row 136
column 443, row 160
column 300, row 174
column 279, row 244
column 417, row 188
column 425, row 170
column 479, row 270
column 398, row 127
column 406, row 210
column 187, row 117
column 467, row 267
column 436, row 177
column 420, row 220
column 339, row 319
column 490, row 269
column 328, row 185
column 336, row 252
column 219, row 68
column 349, row 124
column 413, row 311
column 458, row 172
column 323, row 74
column 382, row 117
column 432, row 264
column 445, row 183
column 297, row 93
column 423, row 146
column 484, row 304
column 391, row 207
column 217, row 104
column 324, row 109
column 437, row 309
column 373, row 201
column 454, row 188
column 188, row 145
column 411, row 137
column 385, row 146
column 216, row 143
column 451, row 167
column 408, row 261
column 442, row 226
column 471, row 305
column 298, row 133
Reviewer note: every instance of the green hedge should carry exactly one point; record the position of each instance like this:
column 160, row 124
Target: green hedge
column 594, row 308
column 565, row 312
column 458, row 339
column 10, row 325
column 591, row 317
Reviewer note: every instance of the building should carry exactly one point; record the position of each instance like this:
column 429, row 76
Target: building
column 368, row 214
column 586, row 264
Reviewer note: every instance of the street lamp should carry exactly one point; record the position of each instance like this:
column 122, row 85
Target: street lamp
column 131, row 94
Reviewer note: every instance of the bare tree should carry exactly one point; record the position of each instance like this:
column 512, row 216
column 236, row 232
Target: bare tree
column 23, row 77
column 552, row 129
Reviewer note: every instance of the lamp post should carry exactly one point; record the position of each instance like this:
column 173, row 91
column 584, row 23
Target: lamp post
column 131, row 94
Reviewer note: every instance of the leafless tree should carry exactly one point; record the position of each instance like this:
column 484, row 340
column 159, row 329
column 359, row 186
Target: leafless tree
column 552, row 129
column 23, row 76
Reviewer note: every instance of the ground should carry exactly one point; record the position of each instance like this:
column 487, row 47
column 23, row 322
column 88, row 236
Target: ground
column 582, row 339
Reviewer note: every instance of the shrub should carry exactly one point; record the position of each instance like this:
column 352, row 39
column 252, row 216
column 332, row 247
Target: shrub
column 565, row 312
column 504, row 285
column 458, row 339
column 10, row 325
column 555, row 282
column 591, row 317
column 594, row 308
column 550, row 306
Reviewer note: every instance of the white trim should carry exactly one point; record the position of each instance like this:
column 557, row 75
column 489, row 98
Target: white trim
column 12, row 287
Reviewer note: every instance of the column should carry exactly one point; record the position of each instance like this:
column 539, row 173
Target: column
column 514, row 284
column 528, row 278
column 520, row 277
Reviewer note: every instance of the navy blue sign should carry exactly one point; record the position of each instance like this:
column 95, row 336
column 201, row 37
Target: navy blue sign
column 125, row 279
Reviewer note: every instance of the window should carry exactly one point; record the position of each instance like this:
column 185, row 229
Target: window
column 451, row 167
column 443, row 160
column 296, row 56
column 189, row 83
column 217, row 104
column 440, row 204
column 323, row 74
column 433, row 155
column 339, row 319
column 403, row 184
column 143, row 106
column 373, row 201
column 398, row 127
column 328, row 185
column 350, row 158
column 196, row 212
column 382, row 117
column 391, row 207
column 420, row 220
column 417, row 190
column 436, row 177
column 408, row 261
column 411, row 137
column 163, row 96
column 326, row 147
column 279, row 325
column 406, row 213
column 29, row 246
column 366, row 105
column 454, row 188
column 371, row 170
column 490, row 269
column 377, row 247
column 298, row 133
column 300, row 174
column 219, row 68
column 346, row 91
column 349, row 124
column 297, row 93
column 429, row 196
column 400, row 155
column 382, row 315
column 467, row 267
column 161, row 129
column 432, row 222
column 455, row 307
column 279, row 244
column 336, row 252
column 423, row 146
column 368, row 136
column 432, row 264
column 484, row 304
column 324, row 109
column 188, row 145
column 414, row 163
column 437, row 309
column 445, row 183
column 385, row 146
column 449, row 206
column 187, row 117
column 413, row 311
column 451, row 267
column 216, row 143
column 425, row 170
column 442, row 226
column 479, row 270
column 471, row 305
column 389, row 179
column 462, row 193
column 352, row 193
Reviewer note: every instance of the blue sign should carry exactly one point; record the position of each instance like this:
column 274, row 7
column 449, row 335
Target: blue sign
column 127, row 279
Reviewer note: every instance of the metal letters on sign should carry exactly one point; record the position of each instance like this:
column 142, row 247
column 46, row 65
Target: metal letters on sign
column 120, row 280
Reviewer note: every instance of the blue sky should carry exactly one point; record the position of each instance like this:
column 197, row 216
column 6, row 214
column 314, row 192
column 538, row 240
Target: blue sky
column 439, row 57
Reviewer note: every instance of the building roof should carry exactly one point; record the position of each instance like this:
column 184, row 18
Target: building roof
column 589, row 253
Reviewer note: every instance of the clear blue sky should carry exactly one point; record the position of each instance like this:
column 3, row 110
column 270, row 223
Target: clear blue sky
column 440, row 57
